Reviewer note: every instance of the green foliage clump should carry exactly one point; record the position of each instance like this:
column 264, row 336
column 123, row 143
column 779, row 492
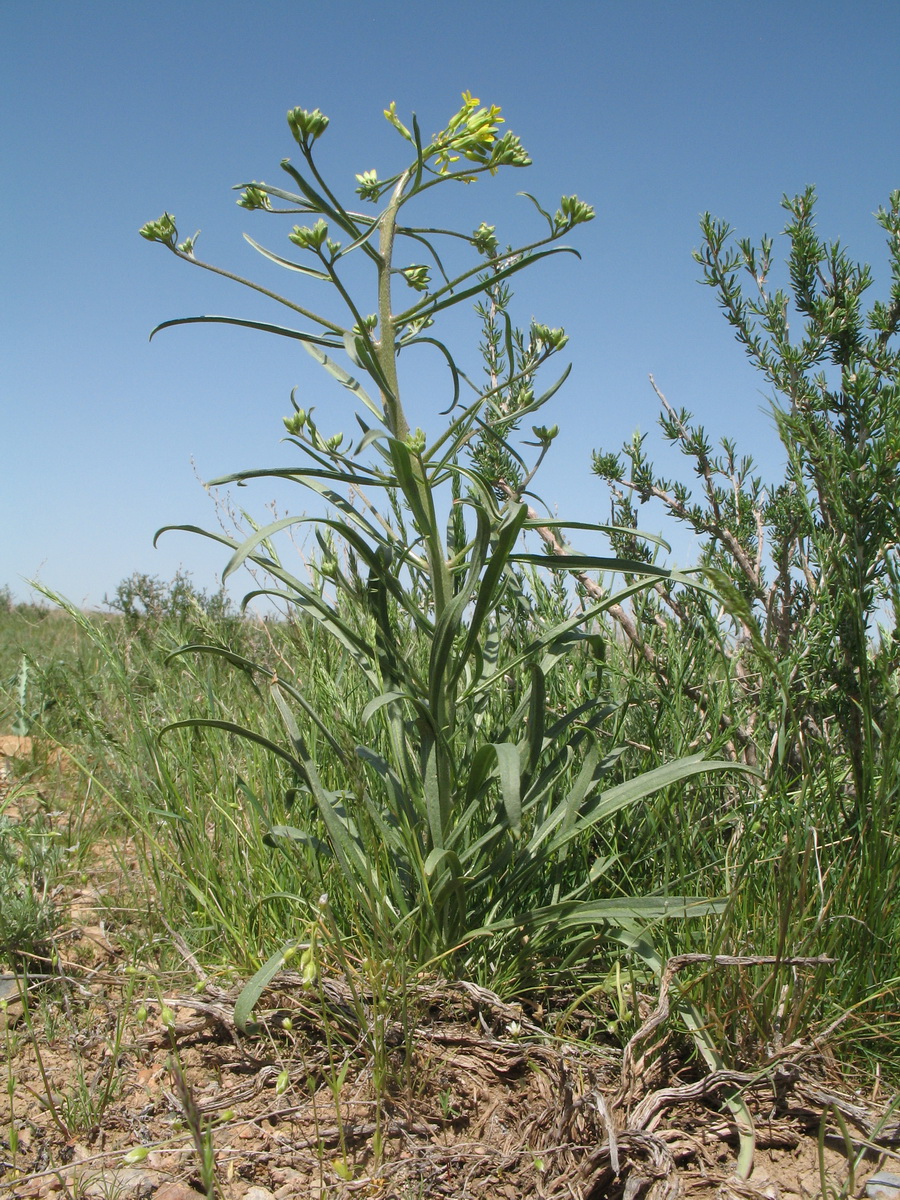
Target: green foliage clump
column 148, row 600
column 806, row 571
column 28, row 862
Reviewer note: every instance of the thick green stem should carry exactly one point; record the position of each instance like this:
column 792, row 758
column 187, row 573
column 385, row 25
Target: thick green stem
column 395, row 418
column 419, row 494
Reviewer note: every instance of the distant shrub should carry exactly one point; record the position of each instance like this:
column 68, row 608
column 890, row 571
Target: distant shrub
column 146, row 598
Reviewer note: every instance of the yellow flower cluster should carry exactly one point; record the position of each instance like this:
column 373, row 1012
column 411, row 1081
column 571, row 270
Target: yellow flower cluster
column 470, row 133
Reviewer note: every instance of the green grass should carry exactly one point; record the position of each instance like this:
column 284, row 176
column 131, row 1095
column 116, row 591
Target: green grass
column 199, row 806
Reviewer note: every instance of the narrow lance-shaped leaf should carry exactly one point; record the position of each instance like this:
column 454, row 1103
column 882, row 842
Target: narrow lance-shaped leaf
column 612, row 912
column 286, row 262
column 343, row 377
column 254, row 988
column 252, row 668
column 315, row 339
column 346, row 845
column 427, row 308
column 509, row 774
column 644, row 785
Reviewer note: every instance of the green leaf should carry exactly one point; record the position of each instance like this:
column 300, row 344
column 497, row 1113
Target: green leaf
column 566, row 811
column 291, row 834
column 251, row 667
column 645, row 785
column 343, row 377
column 427, row 308
column 435, row 808
column 480, row 770
column 560, row 523
column 509, row 771
column 444, row 873
column 450, row 620
column 263, row 326
column 455, row 372
column 254, row 988
column 318, row 203
column 542, row 211
column 386, row 698
column 286, row 262
column 401, row 802
column 537, row 710
column 592, row 562
column 490, row 586
column 246, row 549
column 239, row 731
column 214, row 537
column 575, row 914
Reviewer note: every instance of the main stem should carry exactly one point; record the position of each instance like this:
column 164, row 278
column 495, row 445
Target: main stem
column 394, row 416
column 434, row 750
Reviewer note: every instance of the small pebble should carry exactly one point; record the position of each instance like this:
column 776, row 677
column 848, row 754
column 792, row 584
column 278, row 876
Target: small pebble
column 883, row 1186
column 177, row 1191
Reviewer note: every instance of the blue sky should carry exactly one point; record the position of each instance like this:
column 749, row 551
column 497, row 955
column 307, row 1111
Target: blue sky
column 653, row 112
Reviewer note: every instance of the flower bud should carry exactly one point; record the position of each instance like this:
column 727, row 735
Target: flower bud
column 309, row 239
column 573, row 211
column 306, row 126
column 391, row 115
column 544, row 434
column 550, row 339
column 163, row 230
column 369, row 187
column 417, row 277
column 484, row 240
column 254, row 197
column 508, row 151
